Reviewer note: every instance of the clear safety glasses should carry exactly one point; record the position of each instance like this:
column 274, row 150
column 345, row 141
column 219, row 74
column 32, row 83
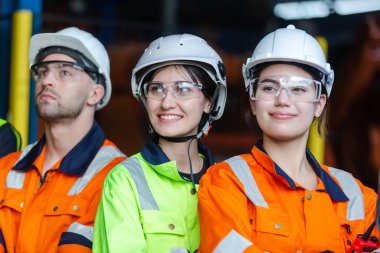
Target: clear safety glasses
column 63, row 71
column 181, row 90
column 298, row 89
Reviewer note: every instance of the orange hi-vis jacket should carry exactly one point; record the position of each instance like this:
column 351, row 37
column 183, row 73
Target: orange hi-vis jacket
column 54, row 212
column 249, row 204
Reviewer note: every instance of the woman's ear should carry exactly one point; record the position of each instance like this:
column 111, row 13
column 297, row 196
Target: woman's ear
column 96, row 94
column 253, row 106
column 320, row 105
column 207, row 106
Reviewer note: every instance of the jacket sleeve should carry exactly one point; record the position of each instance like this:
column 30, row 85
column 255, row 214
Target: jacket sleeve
column 79, row 235
column 8, row 140
column 2, row 242
column 370, row 200
column 117, row 225
column 223, row 213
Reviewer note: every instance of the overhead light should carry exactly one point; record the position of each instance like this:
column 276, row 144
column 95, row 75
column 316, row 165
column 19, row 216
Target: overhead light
column 322, row 8
column 346, row 7
column 302, row 10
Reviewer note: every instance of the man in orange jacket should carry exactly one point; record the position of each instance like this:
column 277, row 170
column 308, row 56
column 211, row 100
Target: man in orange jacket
column 49, row 193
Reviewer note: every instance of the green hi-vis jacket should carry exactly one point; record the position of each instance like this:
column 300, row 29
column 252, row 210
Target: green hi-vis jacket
column 10, row 139
column 146, row 206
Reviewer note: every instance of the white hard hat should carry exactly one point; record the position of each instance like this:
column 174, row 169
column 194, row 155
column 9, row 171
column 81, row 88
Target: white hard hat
column 184, row 49
column 290, row 45
column 81, row 41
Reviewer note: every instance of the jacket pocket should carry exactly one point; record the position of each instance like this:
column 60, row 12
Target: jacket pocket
column 159, row 222
column 67, row 205
column 271, row 222
column 14, row 199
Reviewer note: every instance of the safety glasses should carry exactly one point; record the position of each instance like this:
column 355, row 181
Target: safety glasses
column 63, row 71
column 180, row 90
column 298, row 89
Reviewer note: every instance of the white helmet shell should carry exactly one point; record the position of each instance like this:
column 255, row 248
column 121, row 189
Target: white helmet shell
column 82, row 42
column 290, row 45
column 184, row 49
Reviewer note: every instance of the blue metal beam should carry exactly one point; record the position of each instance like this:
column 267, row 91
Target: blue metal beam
column 6, row 10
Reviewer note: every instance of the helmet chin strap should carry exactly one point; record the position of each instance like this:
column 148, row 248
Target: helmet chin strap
column 204, row 131
column 190, row 138
column 178, row 139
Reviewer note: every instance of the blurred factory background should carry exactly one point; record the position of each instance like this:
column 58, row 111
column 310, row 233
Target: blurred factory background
column 232, row 27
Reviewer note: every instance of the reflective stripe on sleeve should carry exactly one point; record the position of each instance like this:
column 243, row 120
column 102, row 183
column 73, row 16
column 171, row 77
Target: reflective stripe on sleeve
column 105, row 155
column 241, row 170
column 147, row 202
column 179, row 250
column 15, row 179
column 77, row 234
column 233, row 242
column 86, row 231
column 355, row 207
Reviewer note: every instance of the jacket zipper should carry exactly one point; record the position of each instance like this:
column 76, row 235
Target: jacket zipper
column 42, row 179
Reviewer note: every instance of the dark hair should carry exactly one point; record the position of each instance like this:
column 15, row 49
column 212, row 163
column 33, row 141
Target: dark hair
column 250, row 119
column 197, row 74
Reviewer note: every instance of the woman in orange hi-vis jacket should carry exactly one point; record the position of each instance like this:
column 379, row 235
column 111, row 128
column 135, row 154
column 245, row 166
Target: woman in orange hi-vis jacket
column 278, row 198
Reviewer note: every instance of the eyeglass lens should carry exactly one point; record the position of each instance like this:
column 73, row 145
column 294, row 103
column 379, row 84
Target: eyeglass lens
column 297, row 88
column 180, row 90
column 62, row 71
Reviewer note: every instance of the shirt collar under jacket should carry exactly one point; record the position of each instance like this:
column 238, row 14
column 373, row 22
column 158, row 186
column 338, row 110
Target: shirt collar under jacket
column 77, row 160
column 332, row 188
column 155, row 156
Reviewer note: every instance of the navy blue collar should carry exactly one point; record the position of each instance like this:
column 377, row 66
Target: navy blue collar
column 77, row 160
column 154, row 155
column 332, row 188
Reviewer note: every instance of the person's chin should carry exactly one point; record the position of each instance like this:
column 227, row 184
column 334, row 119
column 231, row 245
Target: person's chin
column 174, row 133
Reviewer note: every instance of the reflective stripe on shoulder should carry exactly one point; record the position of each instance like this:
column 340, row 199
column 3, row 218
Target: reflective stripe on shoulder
column 233, row 242
column 241, row 170
column 86, row 231
column 355, row 207
column 15, row 179
column 179, row 250
column 147, row 202
column 104, row 156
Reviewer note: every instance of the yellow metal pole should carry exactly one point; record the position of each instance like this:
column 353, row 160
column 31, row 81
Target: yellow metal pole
column 19, row 73
column 316, row 141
